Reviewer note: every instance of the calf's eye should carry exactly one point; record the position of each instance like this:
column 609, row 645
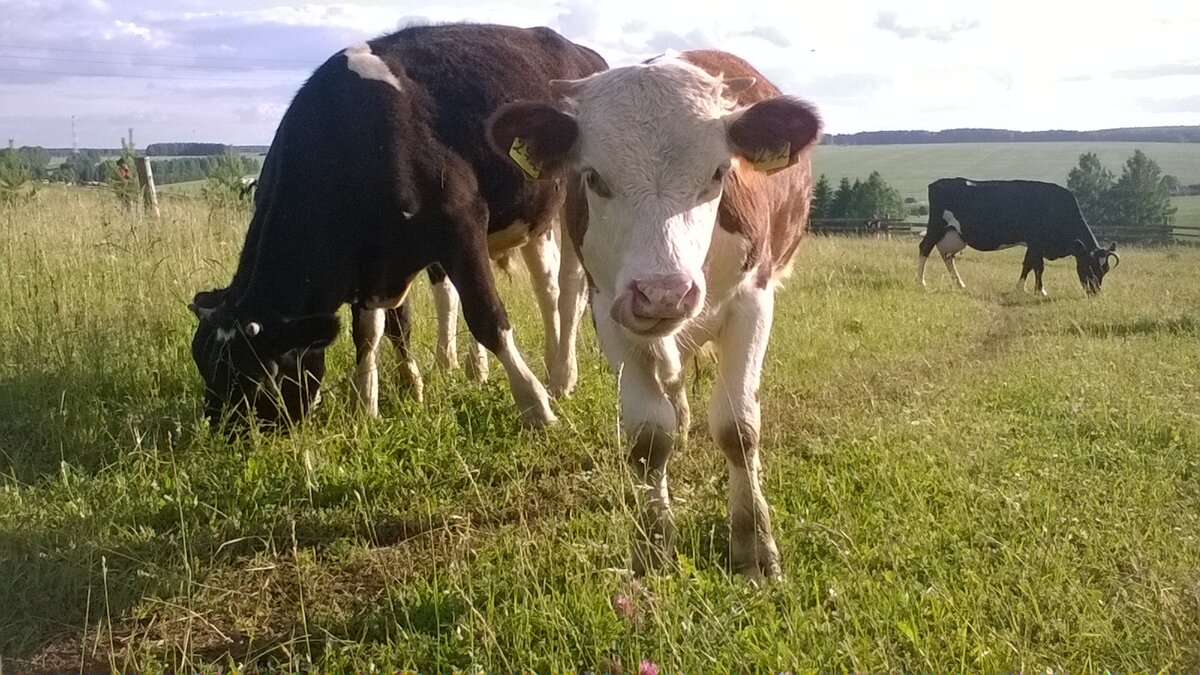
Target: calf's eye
column 596, row 184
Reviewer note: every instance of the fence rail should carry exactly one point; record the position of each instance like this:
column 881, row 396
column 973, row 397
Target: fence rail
column 1184, row 234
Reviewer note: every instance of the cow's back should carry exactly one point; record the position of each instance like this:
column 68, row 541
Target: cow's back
column 993, row 214
column 464, row 73
column 771, row 211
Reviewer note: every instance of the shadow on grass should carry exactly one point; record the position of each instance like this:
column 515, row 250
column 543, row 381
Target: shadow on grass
column 1179, row 325
column 82, row 416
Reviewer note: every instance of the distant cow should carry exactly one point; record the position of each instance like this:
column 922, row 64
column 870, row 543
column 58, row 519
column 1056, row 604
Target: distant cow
column 379, row 169
column 698, row 185
column 988, row 215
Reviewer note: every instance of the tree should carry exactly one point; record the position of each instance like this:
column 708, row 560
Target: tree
column 822, row 199
column 1141, row 197
column 1091, row 182
column 123, row 180
column 225, row 187
column 14, row 180
column 841, row 199
column 874, row 198
column 1172, row 183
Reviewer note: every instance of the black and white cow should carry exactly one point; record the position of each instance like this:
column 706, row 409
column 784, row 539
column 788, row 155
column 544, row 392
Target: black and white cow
column 988, row 215
column 379, row 169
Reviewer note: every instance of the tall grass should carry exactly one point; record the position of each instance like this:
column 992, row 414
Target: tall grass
column 976, row 479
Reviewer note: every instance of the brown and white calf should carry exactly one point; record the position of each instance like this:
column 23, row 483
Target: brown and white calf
column 698, row 183
column 379, row 169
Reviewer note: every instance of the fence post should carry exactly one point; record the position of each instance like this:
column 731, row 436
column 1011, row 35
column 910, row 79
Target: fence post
column 146, row 176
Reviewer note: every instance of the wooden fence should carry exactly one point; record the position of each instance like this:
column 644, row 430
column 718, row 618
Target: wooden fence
column 1179, row 234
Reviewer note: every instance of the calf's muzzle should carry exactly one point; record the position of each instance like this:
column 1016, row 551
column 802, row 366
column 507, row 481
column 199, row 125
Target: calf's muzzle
column 658, row 304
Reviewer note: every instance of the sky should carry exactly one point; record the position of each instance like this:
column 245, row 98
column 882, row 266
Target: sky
column 222, row 71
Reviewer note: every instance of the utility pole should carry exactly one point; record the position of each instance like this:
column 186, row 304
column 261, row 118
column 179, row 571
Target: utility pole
column 74, row 138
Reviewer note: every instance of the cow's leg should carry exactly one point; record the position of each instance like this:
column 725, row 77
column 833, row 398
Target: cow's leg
column 471, row 273
column 949, row 246
column 1039, row 266
column 398, row 328
column 445, row 302
column 648, row 420
column 477, row 363
column 367, row 331
column 572, row 300
column 1026, row 267
column 932, row 234
column 541, row 258
column 734, row 419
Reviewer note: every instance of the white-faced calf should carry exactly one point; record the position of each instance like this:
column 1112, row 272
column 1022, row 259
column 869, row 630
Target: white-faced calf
column 698, row 184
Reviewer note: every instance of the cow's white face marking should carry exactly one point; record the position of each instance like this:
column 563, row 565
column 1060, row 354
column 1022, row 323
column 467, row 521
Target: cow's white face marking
column 654, row 151
column 951, row 221
column 368, row 66
column 225, row 334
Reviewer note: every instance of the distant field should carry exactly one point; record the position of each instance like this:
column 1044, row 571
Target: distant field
column 1189, row 210
column 910, row 168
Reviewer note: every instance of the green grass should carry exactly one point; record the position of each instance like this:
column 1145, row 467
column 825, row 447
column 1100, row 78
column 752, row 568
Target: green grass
column 960, row 480
column 911, row 168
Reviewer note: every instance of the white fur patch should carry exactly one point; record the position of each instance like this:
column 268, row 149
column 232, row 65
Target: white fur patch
column 513, row 236
column 951, row 221
column 951, row 243
column 368, row 66
column 225, row 334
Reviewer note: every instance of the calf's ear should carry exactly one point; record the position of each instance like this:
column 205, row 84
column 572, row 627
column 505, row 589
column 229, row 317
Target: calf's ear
column 205, row 302
column 536, row 137
column 771, row 134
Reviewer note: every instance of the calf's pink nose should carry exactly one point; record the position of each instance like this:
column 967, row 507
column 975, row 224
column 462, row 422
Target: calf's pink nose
column 665, row 296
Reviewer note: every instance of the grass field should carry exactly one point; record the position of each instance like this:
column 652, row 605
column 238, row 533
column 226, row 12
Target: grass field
column 972, row 480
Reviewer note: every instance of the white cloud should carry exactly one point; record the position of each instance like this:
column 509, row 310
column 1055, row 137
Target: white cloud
column 879, row 64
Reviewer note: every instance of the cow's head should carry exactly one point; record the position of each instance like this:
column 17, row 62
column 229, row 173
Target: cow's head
column 1093, row 262
column 653, row 145
column 270, row 367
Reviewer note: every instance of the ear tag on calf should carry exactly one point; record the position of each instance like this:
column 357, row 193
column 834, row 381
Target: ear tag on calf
column 771, row 161
column 520, row 154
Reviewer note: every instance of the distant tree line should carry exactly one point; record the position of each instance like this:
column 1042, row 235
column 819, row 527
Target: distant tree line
column 1178, row 134
column 1140, row 198
column 183, row 169
column 199, row 149
column 96, row 166
column 872, row 198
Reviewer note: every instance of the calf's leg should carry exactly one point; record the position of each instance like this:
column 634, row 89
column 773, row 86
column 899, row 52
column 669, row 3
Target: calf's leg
column 542, row 260
column 398, row 328
column 367, row 330
column 734, row 421
column 649, row 422
column 466, row 262
column 572, row 300
column 445, row 302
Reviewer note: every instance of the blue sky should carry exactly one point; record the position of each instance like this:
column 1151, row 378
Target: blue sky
column 225, row 71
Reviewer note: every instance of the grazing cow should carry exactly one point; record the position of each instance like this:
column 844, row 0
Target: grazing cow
column 379, row 169
column 698, row 184
column 988, row 215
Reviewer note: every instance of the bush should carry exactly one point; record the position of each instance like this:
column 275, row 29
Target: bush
column 15, row 186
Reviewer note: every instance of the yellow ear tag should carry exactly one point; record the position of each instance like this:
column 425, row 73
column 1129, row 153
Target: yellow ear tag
column 520, row 154
column 771, row 161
